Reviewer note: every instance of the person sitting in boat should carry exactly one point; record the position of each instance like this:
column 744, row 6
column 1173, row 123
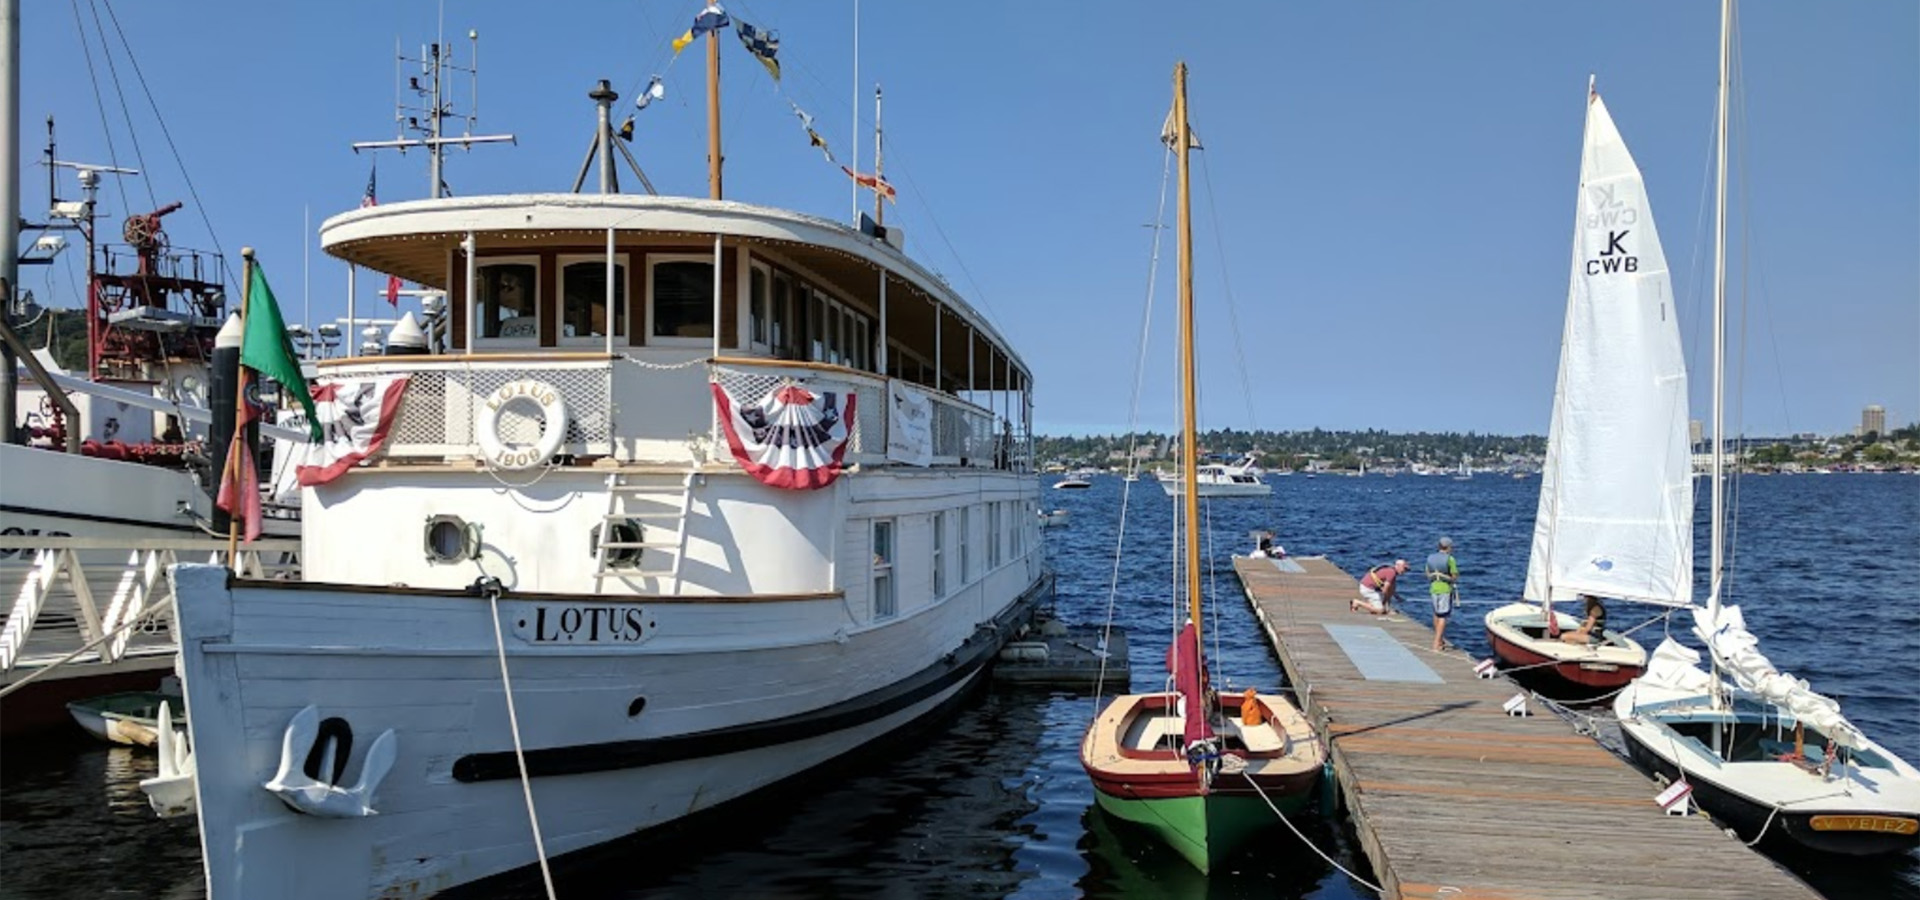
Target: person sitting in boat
column 1591, row 629
column 1268, row 549
column 1377, row 588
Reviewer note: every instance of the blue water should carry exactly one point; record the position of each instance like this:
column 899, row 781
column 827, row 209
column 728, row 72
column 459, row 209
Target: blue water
column 993, row 802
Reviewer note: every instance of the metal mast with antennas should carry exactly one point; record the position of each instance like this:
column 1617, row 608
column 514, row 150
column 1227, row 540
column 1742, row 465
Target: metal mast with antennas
column 427, row 122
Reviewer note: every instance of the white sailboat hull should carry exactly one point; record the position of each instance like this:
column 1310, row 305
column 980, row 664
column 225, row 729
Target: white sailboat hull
column 1870, row 807
column 717, row 698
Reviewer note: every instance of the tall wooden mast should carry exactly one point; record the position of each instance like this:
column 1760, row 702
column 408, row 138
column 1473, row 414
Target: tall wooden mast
column 1190, row 441
column 713, row 116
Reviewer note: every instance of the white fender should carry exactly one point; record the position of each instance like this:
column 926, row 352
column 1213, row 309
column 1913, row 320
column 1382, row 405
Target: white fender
column 309, row 795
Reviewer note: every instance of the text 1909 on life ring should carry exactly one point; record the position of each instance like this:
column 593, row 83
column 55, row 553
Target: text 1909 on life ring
column 553, row 408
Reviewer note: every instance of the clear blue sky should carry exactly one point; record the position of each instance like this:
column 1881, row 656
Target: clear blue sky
column 1394, row 183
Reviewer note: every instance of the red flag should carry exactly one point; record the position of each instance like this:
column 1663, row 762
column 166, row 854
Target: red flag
column 240, row 482
column 875, row 183
column 393, row 291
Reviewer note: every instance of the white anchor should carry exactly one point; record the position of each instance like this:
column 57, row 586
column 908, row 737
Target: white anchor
column 314, row 797
column 170, row 791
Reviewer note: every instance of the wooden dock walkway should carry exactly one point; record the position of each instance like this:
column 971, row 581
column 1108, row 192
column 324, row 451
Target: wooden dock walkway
column 1452, row 798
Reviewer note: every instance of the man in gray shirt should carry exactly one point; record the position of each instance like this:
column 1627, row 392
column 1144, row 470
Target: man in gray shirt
column 1442, row 574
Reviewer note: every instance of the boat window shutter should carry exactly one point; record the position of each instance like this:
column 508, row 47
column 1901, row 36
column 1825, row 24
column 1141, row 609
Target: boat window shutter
column 457, row 299
column 637, row 300
column 729, row 298
column 549, row 299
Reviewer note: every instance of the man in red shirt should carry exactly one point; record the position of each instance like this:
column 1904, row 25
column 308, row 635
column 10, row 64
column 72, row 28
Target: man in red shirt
column 1377, row 588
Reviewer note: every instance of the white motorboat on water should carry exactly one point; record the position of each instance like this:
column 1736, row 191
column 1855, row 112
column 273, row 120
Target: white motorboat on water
column 1072, row 483
column 1242, row 478
column 1755, row 747
column 676, row 540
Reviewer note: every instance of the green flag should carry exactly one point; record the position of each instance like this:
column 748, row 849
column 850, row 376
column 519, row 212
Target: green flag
column 264, row 346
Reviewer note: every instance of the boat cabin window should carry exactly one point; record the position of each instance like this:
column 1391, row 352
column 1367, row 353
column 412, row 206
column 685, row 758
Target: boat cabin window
column 509, row 296
column 583, row 290
column 884, row 604
column 966, row 560
column 783, row 336
column 757, row 324
column 681, row 290
column 816, row 327
column 939, row 553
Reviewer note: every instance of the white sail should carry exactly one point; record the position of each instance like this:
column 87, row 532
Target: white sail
column 1616, row 498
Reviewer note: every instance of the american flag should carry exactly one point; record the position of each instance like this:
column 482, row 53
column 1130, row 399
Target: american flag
column 393, row 281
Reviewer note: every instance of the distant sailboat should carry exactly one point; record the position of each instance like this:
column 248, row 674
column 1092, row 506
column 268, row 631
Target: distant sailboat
column 1201, row 770
column 1615, row 515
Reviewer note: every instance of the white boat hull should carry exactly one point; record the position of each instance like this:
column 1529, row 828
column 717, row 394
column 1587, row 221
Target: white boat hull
column 1872, row 807
column 716, row 699
column 1220, row 489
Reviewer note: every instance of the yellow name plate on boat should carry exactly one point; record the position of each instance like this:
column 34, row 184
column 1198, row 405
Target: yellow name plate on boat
column 1890, row 824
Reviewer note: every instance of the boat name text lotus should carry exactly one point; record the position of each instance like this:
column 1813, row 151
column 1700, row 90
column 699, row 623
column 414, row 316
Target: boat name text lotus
column 582, row 623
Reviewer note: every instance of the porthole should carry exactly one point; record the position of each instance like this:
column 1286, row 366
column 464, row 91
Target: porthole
column 634, row 708
column 622, row 535
column 450, row 539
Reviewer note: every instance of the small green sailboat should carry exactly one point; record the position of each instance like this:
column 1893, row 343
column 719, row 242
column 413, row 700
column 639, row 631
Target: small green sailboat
column 1202, row 771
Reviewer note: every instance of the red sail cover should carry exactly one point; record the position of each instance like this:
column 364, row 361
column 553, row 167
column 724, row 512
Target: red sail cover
column 792, row 438
column 1189, row 670
column 355, row 417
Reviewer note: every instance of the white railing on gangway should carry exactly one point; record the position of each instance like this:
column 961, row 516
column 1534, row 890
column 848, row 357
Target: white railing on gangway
column 57, row 583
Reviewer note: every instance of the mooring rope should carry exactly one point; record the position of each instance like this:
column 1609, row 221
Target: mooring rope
column 492, row 588
column 1303, row 838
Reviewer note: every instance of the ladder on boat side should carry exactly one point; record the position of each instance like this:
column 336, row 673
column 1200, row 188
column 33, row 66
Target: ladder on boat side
column 648, row 504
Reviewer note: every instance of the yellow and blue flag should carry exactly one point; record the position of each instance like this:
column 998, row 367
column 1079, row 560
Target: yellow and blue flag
column 713, row 18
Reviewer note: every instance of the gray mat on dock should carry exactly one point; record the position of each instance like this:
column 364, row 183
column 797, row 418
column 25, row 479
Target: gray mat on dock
column 1378, row 656
column 1287, row 565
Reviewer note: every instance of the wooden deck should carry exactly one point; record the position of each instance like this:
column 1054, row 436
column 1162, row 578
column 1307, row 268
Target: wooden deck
column 1452, row 798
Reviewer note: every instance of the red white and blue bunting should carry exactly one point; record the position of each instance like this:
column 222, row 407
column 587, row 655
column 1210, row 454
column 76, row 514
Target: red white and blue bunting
column 355, row 417
column 792, row 438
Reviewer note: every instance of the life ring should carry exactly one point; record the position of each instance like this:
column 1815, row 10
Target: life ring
column 553, row 408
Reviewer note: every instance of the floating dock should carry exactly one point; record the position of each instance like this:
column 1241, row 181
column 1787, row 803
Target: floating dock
column 1069, row 656
column 1455, row 799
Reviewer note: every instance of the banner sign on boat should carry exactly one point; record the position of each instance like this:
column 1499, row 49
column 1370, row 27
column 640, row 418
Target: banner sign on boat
column 909, row 424
column 582, row 623
column 355, row 417
column 792, row 438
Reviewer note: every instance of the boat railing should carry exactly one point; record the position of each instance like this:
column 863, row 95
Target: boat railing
column 440, row 408
column 102, row 601
column 962, row 433
column 651, row 410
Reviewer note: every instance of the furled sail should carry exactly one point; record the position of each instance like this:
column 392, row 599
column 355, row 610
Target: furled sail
column 1616, row 498
column 1738, row 653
